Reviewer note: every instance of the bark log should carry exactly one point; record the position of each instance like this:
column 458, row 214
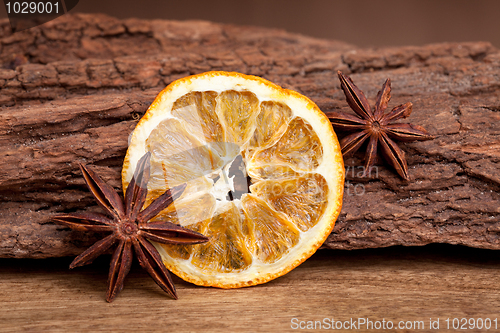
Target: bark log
column 73, row 89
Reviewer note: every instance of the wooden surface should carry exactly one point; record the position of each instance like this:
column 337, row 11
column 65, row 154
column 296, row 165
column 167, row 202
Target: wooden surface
column 73, row 89
column 396, row 284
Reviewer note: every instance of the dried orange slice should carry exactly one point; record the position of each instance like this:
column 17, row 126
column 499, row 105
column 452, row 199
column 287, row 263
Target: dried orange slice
column 264, row 175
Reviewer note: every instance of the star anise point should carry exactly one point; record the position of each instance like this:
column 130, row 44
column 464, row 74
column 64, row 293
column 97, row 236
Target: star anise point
column 129, row 228
column 376, row 125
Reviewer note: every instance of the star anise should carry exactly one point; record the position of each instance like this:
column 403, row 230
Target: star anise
column 129, row 228
column 376, row 125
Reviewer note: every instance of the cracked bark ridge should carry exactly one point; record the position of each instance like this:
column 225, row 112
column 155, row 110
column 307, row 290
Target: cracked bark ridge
column 72, row 90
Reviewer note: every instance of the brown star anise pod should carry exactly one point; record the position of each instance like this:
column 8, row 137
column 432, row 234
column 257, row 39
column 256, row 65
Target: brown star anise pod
column 376, row 125
column 129, row 228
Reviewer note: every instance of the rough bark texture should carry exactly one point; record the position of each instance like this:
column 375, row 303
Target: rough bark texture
column 73, row 89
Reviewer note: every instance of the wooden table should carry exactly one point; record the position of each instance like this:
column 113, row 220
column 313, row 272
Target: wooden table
column 392, row 284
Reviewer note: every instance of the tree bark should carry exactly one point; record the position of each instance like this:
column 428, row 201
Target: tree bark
column 73, row 89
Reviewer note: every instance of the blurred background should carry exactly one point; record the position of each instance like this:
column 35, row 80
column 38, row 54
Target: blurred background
column 365, row 23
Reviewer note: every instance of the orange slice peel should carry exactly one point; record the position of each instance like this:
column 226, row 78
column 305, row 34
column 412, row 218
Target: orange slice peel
column 264, row 174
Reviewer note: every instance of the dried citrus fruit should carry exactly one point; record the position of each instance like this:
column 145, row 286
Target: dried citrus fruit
column 264, row 175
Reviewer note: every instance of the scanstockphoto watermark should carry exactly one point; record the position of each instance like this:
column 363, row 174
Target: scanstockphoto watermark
column 358, row 172
column 227, row 176
column 363, row 324
column 428, row 324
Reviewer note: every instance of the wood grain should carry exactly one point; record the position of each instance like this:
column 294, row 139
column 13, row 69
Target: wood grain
column 396, row 284
column 73, row 89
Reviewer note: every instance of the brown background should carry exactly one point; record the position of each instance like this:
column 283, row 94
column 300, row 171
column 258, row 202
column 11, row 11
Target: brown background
column 364, row 23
